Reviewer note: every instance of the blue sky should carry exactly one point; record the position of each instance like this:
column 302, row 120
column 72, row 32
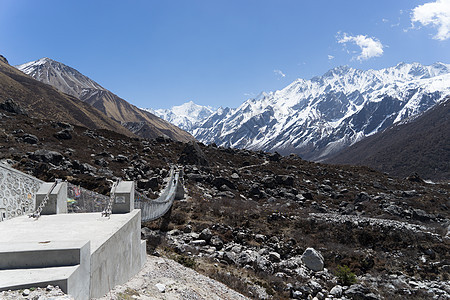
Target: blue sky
column 220, row 52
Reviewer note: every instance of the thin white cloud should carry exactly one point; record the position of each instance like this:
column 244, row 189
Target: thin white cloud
column 436, row 14
column 370, row 47
column 330, row 57
column 279, row 73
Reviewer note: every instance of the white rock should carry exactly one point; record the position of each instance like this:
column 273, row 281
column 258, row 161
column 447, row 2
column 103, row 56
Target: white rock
column 312, row 259
column 336, row 291
column 161, row 287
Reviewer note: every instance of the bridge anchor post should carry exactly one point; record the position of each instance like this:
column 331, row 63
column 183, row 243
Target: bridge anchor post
column 57, row 199
column 123, row 197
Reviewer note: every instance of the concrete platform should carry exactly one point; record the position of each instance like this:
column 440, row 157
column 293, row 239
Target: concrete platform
column 106, row 251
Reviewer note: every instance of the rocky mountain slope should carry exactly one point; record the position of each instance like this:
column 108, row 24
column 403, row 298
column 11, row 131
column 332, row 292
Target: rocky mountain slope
column 43, row 101
column 420, row 145
column 72, row 82
column 185, row 116
column 250, row 218
column 316, row 118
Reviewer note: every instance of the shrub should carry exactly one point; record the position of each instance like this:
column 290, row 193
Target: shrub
column 186, row 261
column 345, row 275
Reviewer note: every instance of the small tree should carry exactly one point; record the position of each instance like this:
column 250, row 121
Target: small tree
column 345, row 275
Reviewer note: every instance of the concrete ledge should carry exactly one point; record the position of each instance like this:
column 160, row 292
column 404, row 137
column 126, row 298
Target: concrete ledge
column 43, row 254
column 40, row 277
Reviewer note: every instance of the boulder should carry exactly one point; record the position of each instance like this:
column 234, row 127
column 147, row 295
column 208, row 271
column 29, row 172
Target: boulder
column 198, row 243
column 63, row 135
column 205, row 234
column 274, row 256
column 121, row 158
column 220, row 181
column 147, row 184
column 336, row 291
column 47, row 156
column 216, row 242
column 30, row 139
column 359, row 292
column 313, row 260
column 274, row 157
column 193, row 155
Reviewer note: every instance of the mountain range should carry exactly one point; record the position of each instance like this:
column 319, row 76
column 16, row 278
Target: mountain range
column 185, row 116
column 317, row 118
column 70, row 81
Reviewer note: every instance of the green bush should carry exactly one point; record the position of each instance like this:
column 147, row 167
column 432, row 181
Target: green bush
column 186, row 261
column 345, row 275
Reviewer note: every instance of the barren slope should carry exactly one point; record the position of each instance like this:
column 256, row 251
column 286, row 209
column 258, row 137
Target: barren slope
column 43, row 101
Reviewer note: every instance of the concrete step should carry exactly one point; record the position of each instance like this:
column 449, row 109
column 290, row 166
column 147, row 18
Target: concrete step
column 28, row 255
column 37, row 277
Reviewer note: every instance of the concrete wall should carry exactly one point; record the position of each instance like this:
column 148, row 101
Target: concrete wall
column 79, row 283
column 119, row 258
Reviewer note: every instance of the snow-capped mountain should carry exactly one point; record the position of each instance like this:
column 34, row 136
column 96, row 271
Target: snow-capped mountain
column 184, row 116
column 72, row 82
column 318, row 117
column 64, row 78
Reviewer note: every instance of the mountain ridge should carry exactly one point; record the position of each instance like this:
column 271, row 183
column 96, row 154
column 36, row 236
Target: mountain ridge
column 72, row 82
column 44, row 101
column 318, row 117
column 421, row 145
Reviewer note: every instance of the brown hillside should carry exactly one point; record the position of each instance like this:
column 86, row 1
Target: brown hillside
column 70, row 81
column 43, row 101
column 420, row 146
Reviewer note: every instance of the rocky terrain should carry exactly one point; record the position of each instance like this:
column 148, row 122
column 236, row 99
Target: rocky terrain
column 267, row 226
column 48, row 293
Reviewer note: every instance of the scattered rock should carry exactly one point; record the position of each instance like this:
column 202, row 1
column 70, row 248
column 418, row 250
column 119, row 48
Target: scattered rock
column 11, row 106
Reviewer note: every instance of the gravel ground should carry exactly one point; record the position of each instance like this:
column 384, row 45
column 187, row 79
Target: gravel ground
column 161, row 278
column 48, row 293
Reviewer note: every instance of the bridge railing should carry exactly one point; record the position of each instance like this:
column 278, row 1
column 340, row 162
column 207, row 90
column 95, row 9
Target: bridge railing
column 81, row 200
column 18, row 196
